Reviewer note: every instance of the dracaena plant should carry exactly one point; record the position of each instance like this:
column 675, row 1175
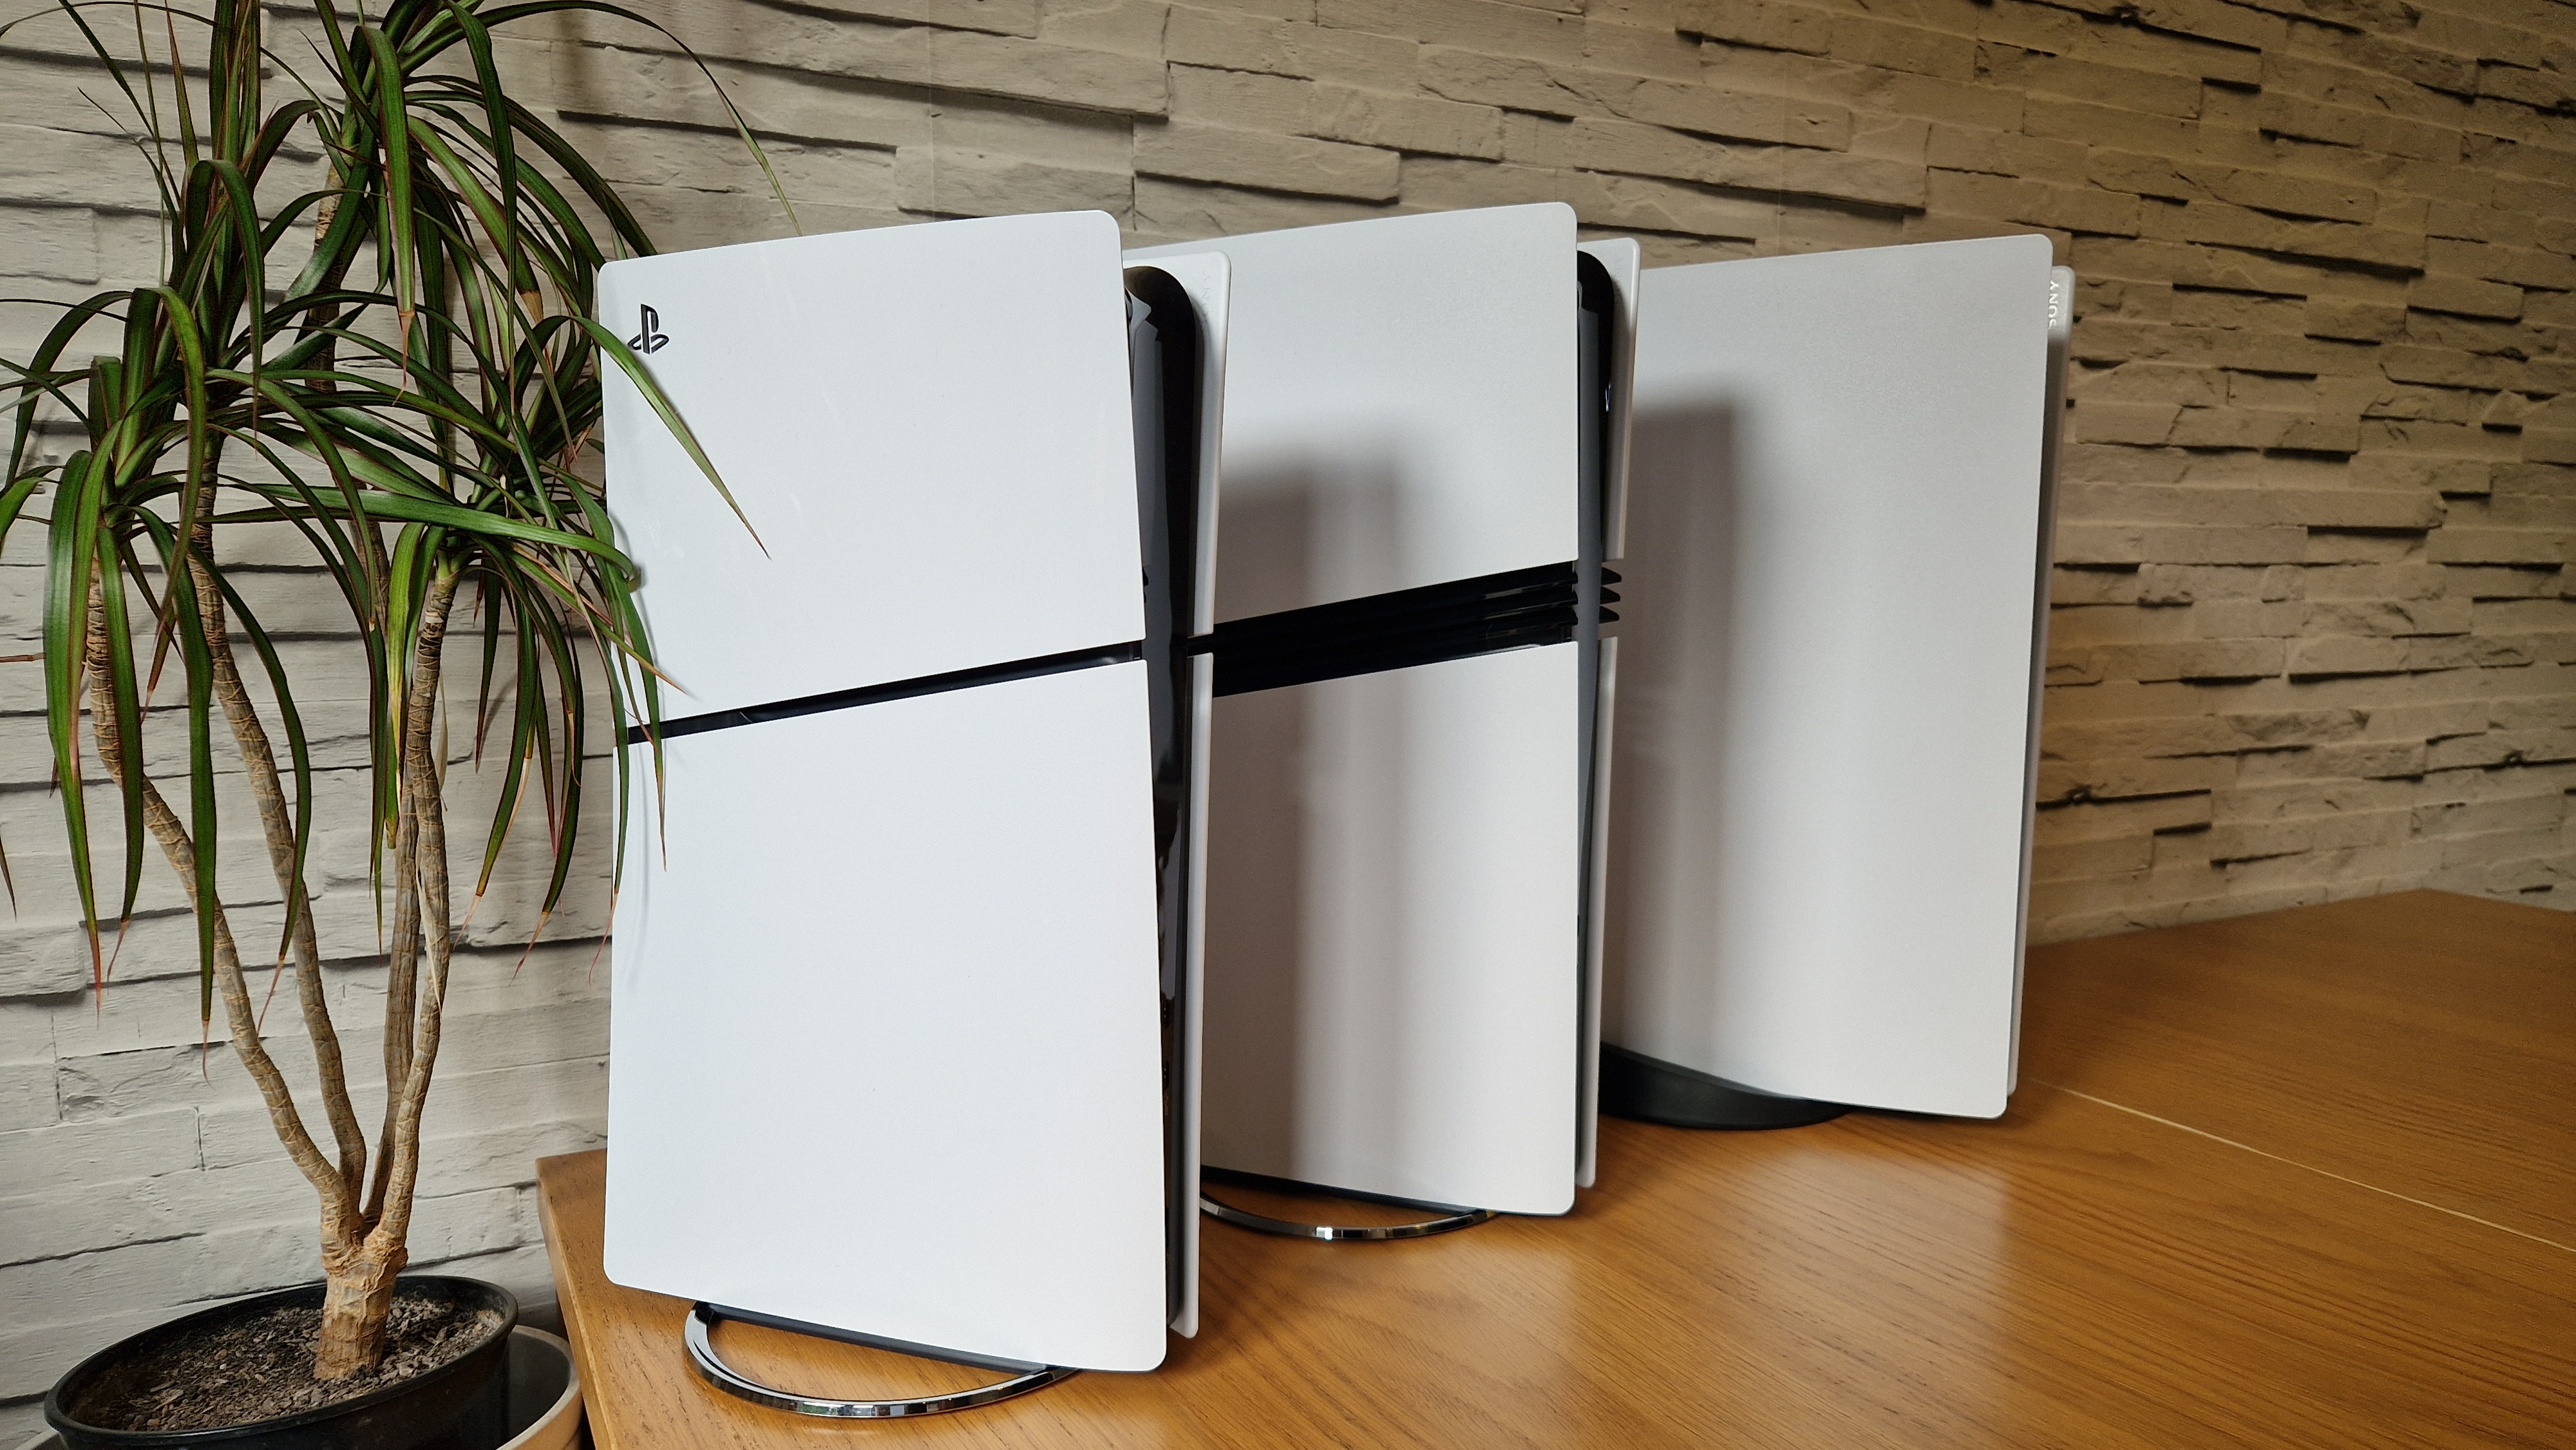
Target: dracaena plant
column 372, row 327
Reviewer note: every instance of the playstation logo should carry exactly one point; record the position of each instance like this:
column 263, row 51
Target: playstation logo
column 652, row 338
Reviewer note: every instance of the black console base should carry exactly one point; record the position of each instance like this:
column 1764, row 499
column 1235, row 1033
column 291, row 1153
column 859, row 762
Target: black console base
column 1651, row 1090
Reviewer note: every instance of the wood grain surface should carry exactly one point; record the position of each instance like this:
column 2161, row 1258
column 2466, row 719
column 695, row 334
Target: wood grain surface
column 2421, row 1042
column 2075, row 1274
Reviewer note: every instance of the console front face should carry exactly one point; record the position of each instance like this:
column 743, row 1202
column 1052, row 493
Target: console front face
column 1825, row 671
column 902, row 1008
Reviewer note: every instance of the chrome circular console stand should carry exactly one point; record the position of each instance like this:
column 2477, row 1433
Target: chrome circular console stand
column 703, row 1319
column 1331, row 1233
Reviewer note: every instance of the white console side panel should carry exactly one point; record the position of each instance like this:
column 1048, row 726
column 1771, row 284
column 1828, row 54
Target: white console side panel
column 910, row 416
column 885, row 1043
column 1392, row 930
column 1396, row 411
column 1824, row 694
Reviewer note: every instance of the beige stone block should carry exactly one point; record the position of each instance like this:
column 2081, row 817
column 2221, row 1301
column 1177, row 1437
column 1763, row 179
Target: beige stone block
column 957, row 183
column 1861, row 40
column 2465, row 296
column 2246, row 619
column 1239, row 100
column 1768, row 24
column 2388, row 617
column 2138, row 174
column 2076, row 209
column 2082, row 586
column 2154, row 92
column 2235, row 226
column 2457, row 545
column 1170, row 210
column 2353, row 321
column 1287, row 47
column 1484, row 25
column 1195, row 152
column 1626, row 146
column 2075, row 860
column 2004, row 153
column 1843, row 177
column 2157, row 45
column 2501, row 747
column 2103, row 780
column 2110, row 422
column 2521, row 266
column 2449, row 367
column 1128, row 27
column 2296, row 196
column 2250, row 841
column 2230, row 427
column 59, row 242
column 2195, row 660
column 2100, row 125
column 1404, row 122
column 2078, row 822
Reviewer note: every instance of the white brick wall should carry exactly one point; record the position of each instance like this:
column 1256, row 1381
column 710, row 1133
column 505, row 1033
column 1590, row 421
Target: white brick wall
column 2316, row 635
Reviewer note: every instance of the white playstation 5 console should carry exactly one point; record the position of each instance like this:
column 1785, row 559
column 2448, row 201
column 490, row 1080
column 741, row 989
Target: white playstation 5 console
column 1424, row 421
column 905, row 950
column 1835, row 566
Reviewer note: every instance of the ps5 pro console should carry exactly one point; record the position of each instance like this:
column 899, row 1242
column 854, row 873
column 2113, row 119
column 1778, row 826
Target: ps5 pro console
column 1836, row 565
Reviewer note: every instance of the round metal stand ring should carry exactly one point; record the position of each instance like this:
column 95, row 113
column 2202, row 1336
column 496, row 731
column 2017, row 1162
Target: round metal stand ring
column 1333, row 1233
column 698, row 1333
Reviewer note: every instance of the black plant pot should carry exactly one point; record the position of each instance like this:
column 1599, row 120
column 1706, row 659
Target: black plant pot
column 461, row 1405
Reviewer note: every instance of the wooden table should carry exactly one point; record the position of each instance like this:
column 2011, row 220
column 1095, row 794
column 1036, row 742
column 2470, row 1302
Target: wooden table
column 2299, row 1179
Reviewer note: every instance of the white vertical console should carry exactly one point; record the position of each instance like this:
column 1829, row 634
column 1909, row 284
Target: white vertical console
column 1836, row 553
column 904, row 955
column 1415, row 455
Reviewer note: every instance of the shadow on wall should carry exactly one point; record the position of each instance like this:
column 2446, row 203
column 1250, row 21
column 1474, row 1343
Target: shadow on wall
column 1683, row 509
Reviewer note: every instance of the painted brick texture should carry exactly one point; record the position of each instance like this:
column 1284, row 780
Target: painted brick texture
column 2315, row 631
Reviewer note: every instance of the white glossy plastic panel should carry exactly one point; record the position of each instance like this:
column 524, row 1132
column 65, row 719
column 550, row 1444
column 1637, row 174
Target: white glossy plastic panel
column 1396, row 407
column 1392, row 1000
column 885, row 1045
column 883, row 405
column 1825, row 662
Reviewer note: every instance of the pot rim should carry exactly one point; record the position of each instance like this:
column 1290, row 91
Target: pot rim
column 492, row 1294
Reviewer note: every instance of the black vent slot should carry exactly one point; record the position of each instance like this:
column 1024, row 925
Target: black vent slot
column 1512, row 610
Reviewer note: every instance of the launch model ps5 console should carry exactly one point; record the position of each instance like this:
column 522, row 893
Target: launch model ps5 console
column 905, row 955
column 1423, row 420
column 1836, row 583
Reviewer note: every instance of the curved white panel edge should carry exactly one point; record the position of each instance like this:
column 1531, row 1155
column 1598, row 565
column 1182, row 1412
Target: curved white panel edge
column 1823, row 736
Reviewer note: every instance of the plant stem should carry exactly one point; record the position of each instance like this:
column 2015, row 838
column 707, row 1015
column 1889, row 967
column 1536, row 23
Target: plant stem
column 339, row 1205
column 259, row 758
column 360, row 1284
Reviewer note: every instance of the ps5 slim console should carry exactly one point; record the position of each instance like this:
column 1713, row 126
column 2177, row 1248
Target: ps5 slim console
column 905, row 947
column 1418, row 427
column 1836, row 563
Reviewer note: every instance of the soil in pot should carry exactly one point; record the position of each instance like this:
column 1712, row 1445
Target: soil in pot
column 260, row 1367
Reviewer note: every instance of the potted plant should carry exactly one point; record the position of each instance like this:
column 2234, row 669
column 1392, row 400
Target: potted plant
column 411, row 390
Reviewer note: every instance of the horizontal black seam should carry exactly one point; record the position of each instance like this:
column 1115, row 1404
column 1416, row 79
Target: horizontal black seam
column 1028, row 669
column 1430, row 624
